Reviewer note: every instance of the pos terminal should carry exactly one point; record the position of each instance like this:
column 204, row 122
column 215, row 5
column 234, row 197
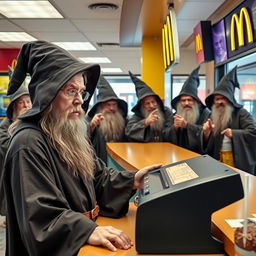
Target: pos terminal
column 176, row 204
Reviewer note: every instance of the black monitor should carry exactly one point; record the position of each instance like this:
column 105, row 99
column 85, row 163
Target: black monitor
column 176, row 204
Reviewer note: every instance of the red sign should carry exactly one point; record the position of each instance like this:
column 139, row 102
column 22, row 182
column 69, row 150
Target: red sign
column 248, row 91
column 198, row 44
column 8, row 57
column 203, row 41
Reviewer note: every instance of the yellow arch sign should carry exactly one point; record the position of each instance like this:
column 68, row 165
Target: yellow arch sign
column 239, row 22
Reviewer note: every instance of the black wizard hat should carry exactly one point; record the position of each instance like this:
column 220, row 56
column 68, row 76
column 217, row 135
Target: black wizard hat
column 142, row 91
column 106, row 93
column 226, row 87
column 189, row 88
column 20, row 92
column 49, row 67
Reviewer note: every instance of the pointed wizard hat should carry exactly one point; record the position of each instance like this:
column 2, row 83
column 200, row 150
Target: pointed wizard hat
column 106, row 93
column 189, row 88
column 50, row 67
column 226, row 88
column 142, row 91
column 20, row 92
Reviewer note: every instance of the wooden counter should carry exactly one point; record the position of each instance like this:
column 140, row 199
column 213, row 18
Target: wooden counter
column 220, row 227
column 134, row 156
column 127, row 224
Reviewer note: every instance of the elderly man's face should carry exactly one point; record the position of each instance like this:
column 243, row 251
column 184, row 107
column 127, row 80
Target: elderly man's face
column 149, row 103
column 22, row 104
column 109, row 106
column 220, row 100
column 69, row 99
column 187, row 102
column 219, row 46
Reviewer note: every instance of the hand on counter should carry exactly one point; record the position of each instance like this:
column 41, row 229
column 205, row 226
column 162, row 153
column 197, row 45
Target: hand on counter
column 110, row 238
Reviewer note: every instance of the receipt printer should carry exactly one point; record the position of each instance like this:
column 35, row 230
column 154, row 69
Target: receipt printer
column 176, row 204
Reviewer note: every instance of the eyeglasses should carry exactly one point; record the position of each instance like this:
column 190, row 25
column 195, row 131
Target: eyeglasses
column 73, row 93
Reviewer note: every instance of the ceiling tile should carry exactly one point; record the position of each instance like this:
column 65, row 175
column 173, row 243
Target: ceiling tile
column 6, row 26
column 58, row 25
column 97, row 25
column 186, row 25
column 101, row 37
column 81, row 10
column 199, row 10
column 60, row 36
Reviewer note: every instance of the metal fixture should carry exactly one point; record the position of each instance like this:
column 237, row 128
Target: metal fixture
column 103, row 6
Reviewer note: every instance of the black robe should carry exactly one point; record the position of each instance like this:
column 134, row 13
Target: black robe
column 243, row 141
column 45, row 202
column 190, row 137
column 4, row 142
column 137, row 132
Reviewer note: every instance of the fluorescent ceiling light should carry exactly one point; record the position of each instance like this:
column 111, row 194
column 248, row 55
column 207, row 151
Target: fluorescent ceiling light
column 28, row 9
column 76, row 46
column 111, row 70
column 95, row 60
column 16, row 37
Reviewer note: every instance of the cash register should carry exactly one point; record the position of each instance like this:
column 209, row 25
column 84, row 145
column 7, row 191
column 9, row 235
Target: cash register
column 176, row 204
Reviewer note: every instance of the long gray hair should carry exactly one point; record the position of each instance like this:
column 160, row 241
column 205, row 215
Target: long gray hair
column 69, row 138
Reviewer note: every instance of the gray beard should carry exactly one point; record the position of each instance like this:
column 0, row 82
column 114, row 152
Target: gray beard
column 221, row 117
column 159, row 124
column 112, row 127
column 69, row 138
column 190, row 115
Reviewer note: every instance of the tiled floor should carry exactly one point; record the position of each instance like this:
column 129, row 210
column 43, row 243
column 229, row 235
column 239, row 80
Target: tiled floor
column 2, row 236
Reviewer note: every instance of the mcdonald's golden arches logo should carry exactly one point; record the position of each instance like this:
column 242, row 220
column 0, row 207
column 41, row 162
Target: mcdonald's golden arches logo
column 239, row 22
column 168, row 43
column 14, row 63
column 198, row 43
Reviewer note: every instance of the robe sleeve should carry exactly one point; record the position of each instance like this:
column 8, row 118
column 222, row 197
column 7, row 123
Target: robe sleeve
column 208, row 146
column 244, row 141
column 169, row 133
column 113, row 190
column 135, row 129
column 45, row 219
column 4, row 135
column 4, row 142
column 193, row 134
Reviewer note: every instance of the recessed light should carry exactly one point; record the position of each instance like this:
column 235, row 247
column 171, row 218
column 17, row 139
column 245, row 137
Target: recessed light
column 16, row 37
column 76, row 46
column 95, row 60
column 28, row 9
column 111, row 70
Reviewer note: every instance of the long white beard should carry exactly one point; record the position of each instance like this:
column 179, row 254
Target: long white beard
column 112, row 126
column 221, row 117
column 190, row 115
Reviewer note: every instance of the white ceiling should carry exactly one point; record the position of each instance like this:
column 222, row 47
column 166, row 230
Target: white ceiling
column 101, row 26
column 191, row 13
